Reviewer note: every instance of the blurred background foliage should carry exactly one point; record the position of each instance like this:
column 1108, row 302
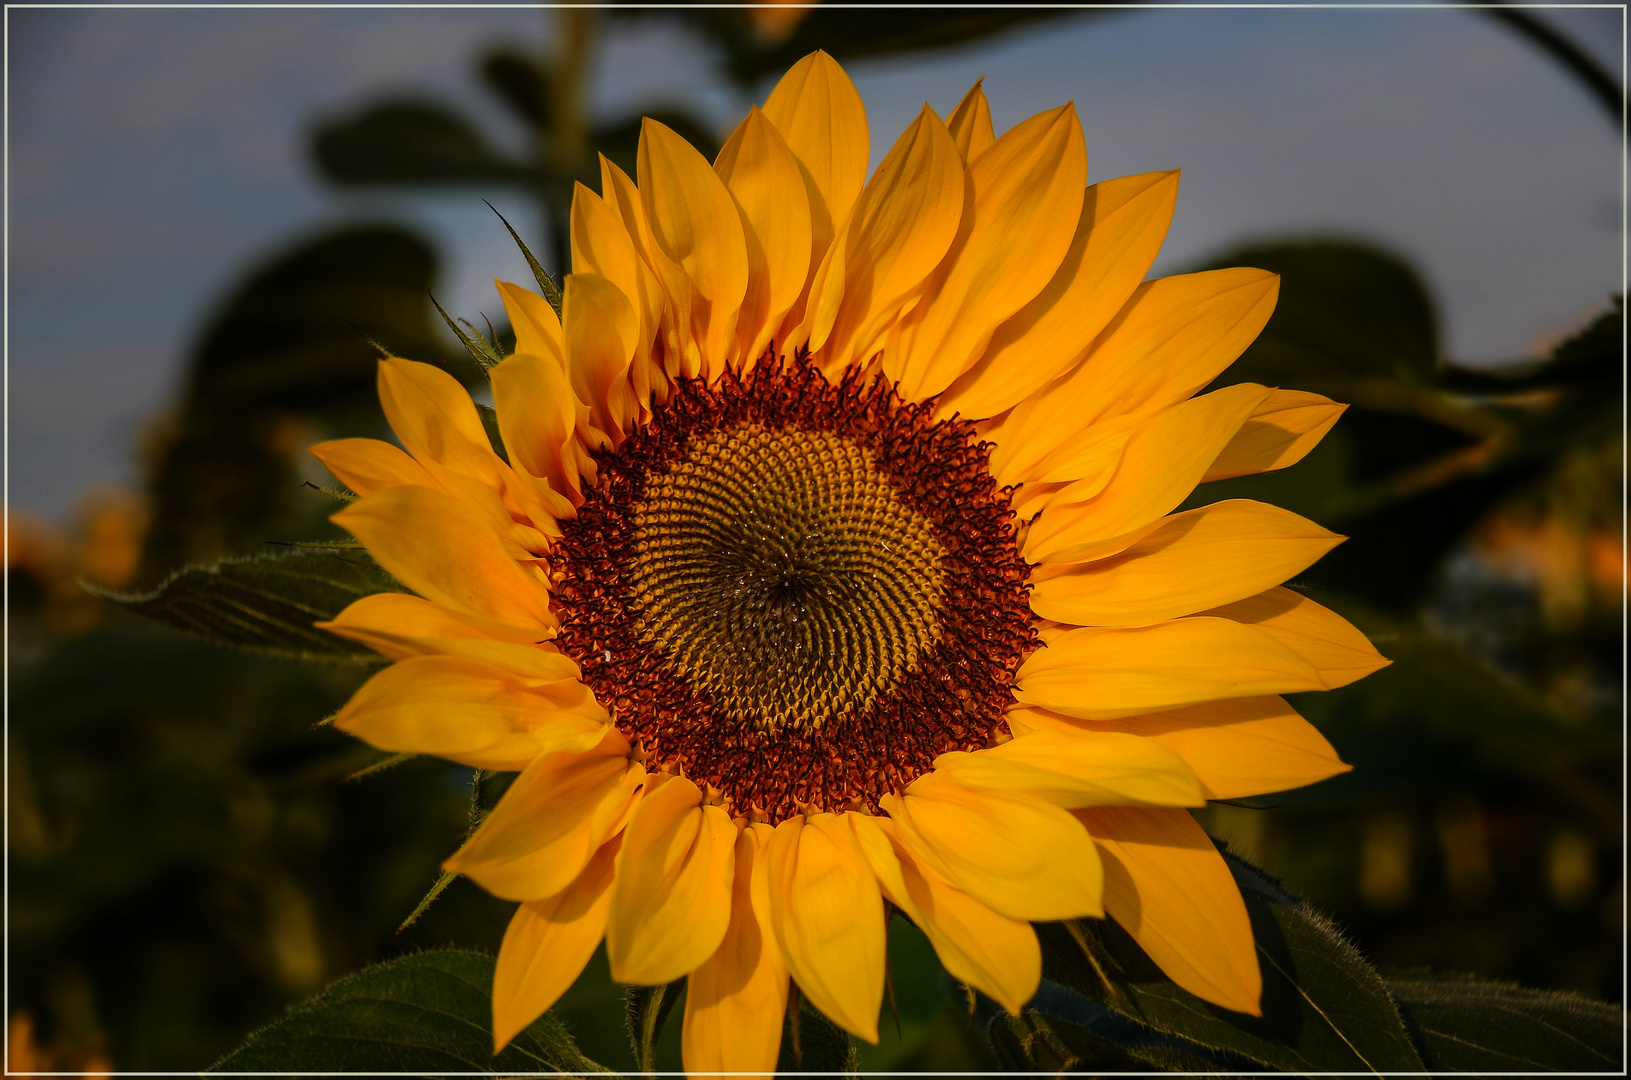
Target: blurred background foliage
column 191, row 850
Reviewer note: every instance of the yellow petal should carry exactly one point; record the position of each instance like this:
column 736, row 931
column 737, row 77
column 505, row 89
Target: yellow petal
column 1169, row 888
column 970, row 124
column 672, row 900
column 394, row 623
column 537, row 327
column 470, row 712
column 434, row 417
column 735, row 1002
column 552, row 820
column 1285, row 427
column 828, row 919
column 1237, row 747
column 601, row 329
column 624, row 199
column 444, row 550
column 1080, row 768
column 1163, row 461
column 903, row 224
column 1338, row 651
column 368, row 465
column 1097, row 673
column 695, row 222
column 602, row 244
column 993, row 953
column 1171, row 339
column 1118, row 233
column 546, row 946
column 1018, row 855
column 537, row 416
column 761, row 172
column 819, row 112
column 1028, row 191
column 1192, row 561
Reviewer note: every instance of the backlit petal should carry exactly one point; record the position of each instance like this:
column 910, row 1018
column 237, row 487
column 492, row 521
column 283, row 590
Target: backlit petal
column 1166, row 884
column 1338, row 651
column 672, row 900
column 735, row 1002
column 970, row 124
column 601, row 330
column 537, row 417
column 695, row 222
column 537, row 328
column 1025, row 185
column 1112, row 671
column 444, row 550
column 993, row 953
column 368, row 465
column 827, row 914
column 546, row 946
column 819, row 112
column 1081, row 768
column 1118, row 233
column 552, row 820
column 1284, row 428
column 1163, row 461
column 393, row 622
column 1190, row 562
column 1018, row 855
column 1237, row 747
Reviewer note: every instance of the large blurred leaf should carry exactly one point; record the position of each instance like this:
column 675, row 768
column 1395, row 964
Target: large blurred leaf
column 428, row 1013
column 1324, row 1007
column 411, row 142
column 517, row 78
column 1467, row 1026
column 268, row 603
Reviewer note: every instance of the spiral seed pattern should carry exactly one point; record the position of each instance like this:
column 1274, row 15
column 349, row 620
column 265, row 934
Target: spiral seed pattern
column 779, row 573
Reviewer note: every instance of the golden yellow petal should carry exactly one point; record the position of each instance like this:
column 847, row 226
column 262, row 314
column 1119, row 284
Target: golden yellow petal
column 434, row 417
column 446, row 551
column 1018, row 855
column 1118, row 233
column 1163, row 461
column 537, row 328
column 625, row 200
column 902, row 226
column 1338, row 651
column 1170, row 339
column 672, row 900
column 1098, row 673
column 552, row 820
column 695, row 222
column 993, row 953
column 970, row 123
column 546, row 946
column 1285, row 427
column 736, row 1001
column 601, row 244
column 601, row 331
column 393, row 623
column 1028, row 190
column 1192, row 561
column 828, row 919
column 1237, row 747
column 368, row 465
column 1079, row 768
column 1169, row 888
column 537, row 418
column 470, row 712
column 819, row 112
column 763, row 175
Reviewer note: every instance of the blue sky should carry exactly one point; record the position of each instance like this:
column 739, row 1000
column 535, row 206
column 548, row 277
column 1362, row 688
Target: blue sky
column 155, row 156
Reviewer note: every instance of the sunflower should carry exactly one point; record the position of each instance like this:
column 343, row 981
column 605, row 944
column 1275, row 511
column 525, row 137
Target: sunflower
column 831, row 570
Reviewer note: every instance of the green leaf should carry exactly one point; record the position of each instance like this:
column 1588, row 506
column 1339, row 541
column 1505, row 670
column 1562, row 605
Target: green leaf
column 1324, row 1007
column 1467, row 1026
column 411, row 142
column 647, row 1009
column 1033, row 1042
column 518, row 79
column 427, row 1013
column 267, row 603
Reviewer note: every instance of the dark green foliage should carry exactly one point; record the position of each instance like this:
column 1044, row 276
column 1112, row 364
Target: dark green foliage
column 821, row 1045
column 647, row 1009
column 517, row 78
column 1324, row 1007
column 268, row 603
column 1463, row 1025
column 410, row 142
column 426, row 1013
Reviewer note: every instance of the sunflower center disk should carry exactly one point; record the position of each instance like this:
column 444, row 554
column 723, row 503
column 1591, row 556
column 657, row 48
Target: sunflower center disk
column 795, row 591
column 780, row 575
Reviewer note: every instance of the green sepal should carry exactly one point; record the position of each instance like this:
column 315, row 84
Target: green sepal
column 429, row 1013
column 647, row 1009
column 546, row 284
column 811, row 1043
column 267, row 603
column 483, row 352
